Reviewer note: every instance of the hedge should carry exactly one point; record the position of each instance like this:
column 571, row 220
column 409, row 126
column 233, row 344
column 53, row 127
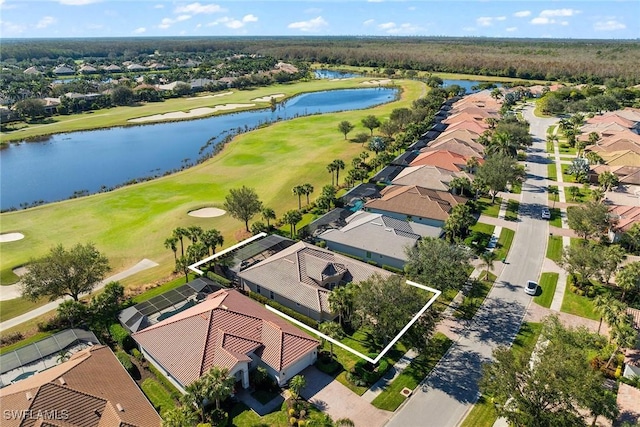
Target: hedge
column 175, row 393
column 217, row 278
column 299, row 317
column 125, row 361
column 121, row 336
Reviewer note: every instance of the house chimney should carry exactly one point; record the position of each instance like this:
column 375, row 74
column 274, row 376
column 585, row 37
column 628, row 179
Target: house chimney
column 120, row 408
column 62, row 381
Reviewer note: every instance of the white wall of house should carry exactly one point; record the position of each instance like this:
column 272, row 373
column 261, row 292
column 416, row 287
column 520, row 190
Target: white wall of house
column 294, row 369
column 426, row 221
column 267, row 293
column 241, row 373
column 366, row 255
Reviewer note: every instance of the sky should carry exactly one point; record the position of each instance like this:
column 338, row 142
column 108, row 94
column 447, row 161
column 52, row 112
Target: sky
column 585, row 19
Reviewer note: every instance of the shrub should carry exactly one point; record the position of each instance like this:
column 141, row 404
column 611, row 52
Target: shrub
column 293, row 421
column 121, row 336
column 292, row 412
column 12, row 338
column 392, row 269
column 125, row 361
column 136, row 353
column 219, row 279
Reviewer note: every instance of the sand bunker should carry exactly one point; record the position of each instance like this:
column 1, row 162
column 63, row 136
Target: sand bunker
column 196, row 112
column 377, row 82
column 268, row 97
column 11, row 237
column 207, row 213
column 195, row 98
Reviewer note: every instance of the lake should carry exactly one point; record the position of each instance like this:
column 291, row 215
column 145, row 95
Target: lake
column 93, row 161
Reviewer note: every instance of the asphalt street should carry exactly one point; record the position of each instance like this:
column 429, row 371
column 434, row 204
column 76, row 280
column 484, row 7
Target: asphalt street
column 445, row 396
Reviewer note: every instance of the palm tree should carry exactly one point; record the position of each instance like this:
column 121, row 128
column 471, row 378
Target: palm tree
column 171, row 243
column 218, row 384
column 296, row 384
column 180, row 233
column 623, row 335
column 459, row 183
column 472, row 164
column 341, row 303
column 292, row 218
column 501, row 142
column 308, row 189
column 628, row 278
column 212, row 238
column 194, row 233
column 602, row 304
column 331, row 167
column 298, row 190
column 338, row 165
column 487, row 258
column 268, row 213
column 179, row 416
column 333, row 330
column 553, row 190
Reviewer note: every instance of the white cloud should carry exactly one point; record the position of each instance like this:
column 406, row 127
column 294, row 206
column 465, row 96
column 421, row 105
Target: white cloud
column 559, row 12
column 5, row 6
column 250, row 18
column 542, row 21
column 314, row 24
column 511, row 29
column 168, row 22
column 78, row 2
column 487, row 21
column 183, row 18
column 387, row 26
column 609, row 25
column 197, row 8
column 522, row 14
column 369, row 22
column 11, row 29
column 46, row 21
column 158, row 6
column 140, row 30
column 233, row 23
column 393, row 28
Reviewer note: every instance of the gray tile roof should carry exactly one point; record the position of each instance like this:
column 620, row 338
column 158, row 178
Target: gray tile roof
column 380, row 234
column 297, row 273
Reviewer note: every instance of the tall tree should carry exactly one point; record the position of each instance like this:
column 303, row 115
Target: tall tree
column 341, row 303
column 171, row 243
column 345, row 127
column 269, row 214
column 292, row 218
column 195, row 232
column 459, row 221
column 180, row 233
column 378, row 144
column 308, row 189
column 298, row 190
column 296, row 384
column 331, row 168
column 488, row 258
column 338, row 165
column 589, row 220
column 242, row 204
column 608, row 180
column 371, row 122
column 628, row 279
column 497, row 171
column 332, row 330
column 212, row 238
column 65, row 272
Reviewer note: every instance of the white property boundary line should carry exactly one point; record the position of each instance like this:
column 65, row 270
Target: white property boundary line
column 436, row 294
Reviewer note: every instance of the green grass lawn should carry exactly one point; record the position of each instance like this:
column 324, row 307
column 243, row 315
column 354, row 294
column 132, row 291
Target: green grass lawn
column 550, row 147
column 551, row 172
column 390, row 398
column 132, row 223
column 15, row 307
column 547, row 288
column 489, row 209
column 583, row 195
column 556, row 217
column 579, row 305
column 483, row 228
column 158, row 395
column 483, row 413
column 554, row 248
column 565, row 176
column 504, row 243
column 512, row 210
column 566, row 149
column 242, row 416
column 475, row 297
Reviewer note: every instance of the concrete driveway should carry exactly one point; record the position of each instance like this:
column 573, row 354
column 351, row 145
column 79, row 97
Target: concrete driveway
column 445, row 396
column 338, row 401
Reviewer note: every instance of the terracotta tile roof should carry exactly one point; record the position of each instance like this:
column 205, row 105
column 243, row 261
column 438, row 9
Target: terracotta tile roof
column 468, row 125
column 630, row 113
column 84, row 392
column 416, row 201
column 463, row 134
column 467, row 117
column 297, row 273
column 626, row 216
column 621, row 158
column 443, row 159
column 621, row 144
column 222, row 331
column 602, row 127
column 458, row 146
column 612, row 117
column 428, row 176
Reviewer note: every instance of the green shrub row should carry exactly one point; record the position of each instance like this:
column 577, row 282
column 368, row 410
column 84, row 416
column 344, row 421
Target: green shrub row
column 392, row 269
column 121, row 336
column 125, row 361
column 299, row 317
column 175, row 393
column 217, row 278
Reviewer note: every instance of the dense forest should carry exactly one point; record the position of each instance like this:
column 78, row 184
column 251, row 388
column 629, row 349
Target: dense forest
column 577, row 61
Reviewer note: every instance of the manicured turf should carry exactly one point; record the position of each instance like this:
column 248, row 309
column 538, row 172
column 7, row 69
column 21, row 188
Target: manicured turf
column 551, row 172
column 15, row 307
column 475, row 296
column 512, row 210
column 556, row 217
column 554, row 248
column 504, row 243
column 158, row 395
column 547, row 288
column 131, row 223
column 242, row 416
column 390, row 398
column 486, row 208
column 579, row 305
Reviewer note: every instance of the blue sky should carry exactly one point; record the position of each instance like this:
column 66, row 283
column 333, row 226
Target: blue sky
column 614, row 19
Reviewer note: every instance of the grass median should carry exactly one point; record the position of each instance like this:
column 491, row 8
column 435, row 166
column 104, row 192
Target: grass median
column 132, row 223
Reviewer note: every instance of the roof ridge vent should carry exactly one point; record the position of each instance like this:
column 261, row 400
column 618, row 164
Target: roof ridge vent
column 62, row 381
column 120, row 408
column 29, row 395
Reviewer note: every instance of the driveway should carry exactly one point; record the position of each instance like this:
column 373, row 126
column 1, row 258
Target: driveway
column 445, row 396
column 338, row 401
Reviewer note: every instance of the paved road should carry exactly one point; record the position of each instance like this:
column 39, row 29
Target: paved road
column 142, row 265
column 446, row 395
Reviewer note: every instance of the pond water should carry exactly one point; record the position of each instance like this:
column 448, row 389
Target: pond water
column 88, row 162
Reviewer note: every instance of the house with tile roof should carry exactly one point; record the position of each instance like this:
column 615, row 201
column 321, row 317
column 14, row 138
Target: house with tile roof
column 415, row 203
column 428, row 176
column 62, row 70
column 621, row 158
column 625, row 217
column 302, row 276
column 377, row 238
column 458, row 146
column 91, row 389
column 443, row 159
column 626, row 174
column 227, row 330
column 473, row 126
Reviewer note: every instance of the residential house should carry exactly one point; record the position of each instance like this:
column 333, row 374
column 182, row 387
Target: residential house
column 227, row 330
column 626, row 174
column 302, row 276
column 377, row 238
column 32, row 71
column 473, row 126
column 136, row 67
column 621, row 158
column 63, row 70
column 87, row 69
column 458, row 146
column 91, row 389
column 428, row 176
column 113, row 68
column 444, row 159
column 625, row 217
column 415, row 203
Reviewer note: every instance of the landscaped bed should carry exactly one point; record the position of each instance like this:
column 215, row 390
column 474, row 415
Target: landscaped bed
column 548, row 282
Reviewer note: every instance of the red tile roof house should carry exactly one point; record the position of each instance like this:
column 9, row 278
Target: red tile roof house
column 302, row 276
column 625, row 217
column 227, row 330
column 414, row 203
column 91, row 389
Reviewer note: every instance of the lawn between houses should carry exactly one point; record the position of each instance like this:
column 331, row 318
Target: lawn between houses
column 132, row 222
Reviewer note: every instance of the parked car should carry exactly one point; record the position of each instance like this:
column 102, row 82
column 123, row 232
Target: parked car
column 546, row 213
column 531, row 287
